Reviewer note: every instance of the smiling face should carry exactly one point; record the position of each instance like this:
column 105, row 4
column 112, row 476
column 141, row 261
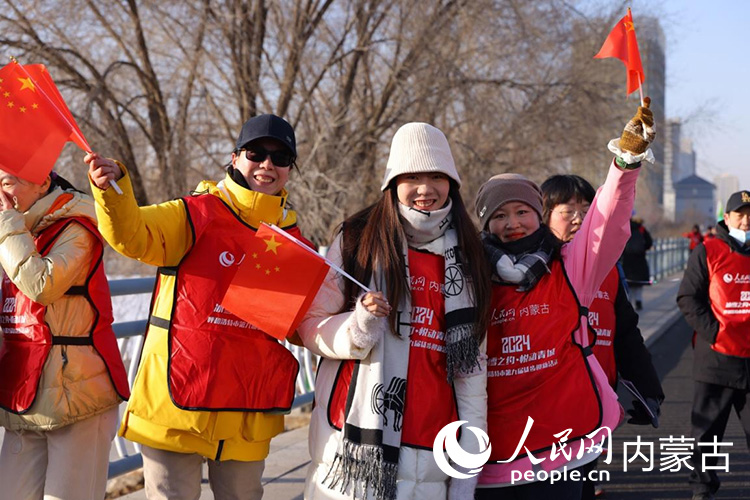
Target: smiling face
column 513, row 221
column 423, row 191
column 263, row 177
column 565, row 219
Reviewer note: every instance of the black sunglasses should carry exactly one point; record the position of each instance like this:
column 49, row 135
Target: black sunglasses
column 278, row 158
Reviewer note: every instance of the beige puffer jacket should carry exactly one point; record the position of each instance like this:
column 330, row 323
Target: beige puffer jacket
column 79, row 388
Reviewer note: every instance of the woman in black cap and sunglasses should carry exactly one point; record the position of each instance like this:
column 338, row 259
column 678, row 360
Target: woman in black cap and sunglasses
column 227, row 383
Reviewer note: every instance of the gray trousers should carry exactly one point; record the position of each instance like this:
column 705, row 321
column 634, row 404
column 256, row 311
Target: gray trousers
column 177, row 476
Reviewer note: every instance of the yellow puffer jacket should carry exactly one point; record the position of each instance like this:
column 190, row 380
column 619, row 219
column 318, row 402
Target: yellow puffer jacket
column 160, row 235
column 81, row 387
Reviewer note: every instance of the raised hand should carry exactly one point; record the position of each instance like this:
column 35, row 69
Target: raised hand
column 102, row 170
column 639, row 131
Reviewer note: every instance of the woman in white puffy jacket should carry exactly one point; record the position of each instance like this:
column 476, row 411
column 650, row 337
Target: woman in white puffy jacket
column 404, row 360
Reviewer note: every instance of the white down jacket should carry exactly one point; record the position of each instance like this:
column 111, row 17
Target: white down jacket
column 329, row 335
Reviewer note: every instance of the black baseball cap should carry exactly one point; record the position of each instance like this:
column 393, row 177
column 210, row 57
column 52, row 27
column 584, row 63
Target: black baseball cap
column 261, row 126
column 737, row 200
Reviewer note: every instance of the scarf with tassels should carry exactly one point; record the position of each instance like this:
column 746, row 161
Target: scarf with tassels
column 367, row 458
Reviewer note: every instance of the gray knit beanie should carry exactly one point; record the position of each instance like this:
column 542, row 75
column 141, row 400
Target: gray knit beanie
column 419, row 148
column 500, row 189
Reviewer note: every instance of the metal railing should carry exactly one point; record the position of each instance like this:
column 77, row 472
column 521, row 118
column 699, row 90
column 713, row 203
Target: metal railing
column 667, row 256
column 130, row 338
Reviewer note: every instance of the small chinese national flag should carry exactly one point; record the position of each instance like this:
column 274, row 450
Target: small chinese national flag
column 275, row 284
column 622, row 44
column 35, row 123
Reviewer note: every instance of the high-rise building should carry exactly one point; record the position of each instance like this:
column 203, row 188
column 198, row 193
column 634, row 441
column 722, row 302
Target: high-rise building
column 652, row 44
column 726, row 184
column 679, row 164
column 687, row 161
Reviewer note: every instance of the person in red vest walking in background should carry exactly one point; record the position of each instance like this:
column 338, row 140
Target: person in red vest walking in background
column 209, row 385
column 403, row 361
column 619, row 346
column 713, row 297
column 543, row 379
column 61, row 375
column 695, row 237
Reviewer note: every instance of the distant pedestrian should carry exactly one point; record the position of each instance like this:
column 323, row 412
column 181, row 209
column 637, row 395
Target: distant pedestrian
column 695, row 237
column 634, row 261
column 713, row 297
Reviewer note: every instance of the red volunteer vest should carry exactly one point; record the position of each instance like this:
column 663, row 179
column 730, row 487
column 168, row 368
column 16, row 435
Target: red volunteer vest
column 729, row 294
column 429, row 403
column 602, row 321
column 27, row 339
column 535, row 369
column 217, row 361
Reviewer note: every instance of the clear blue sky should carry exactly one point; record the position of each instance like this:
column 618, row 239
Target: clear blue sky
column 708, row 78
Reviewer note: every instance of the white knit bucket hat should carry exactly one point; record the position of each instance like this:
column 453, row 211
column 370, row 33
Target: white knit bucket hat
column 419, row 148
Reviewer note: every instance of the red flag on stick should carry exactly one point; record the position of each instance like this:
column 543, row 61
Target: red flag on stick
column 622, row 44
column 33, row 132
column 35, row 122
column 41, row 77
column 276, row 283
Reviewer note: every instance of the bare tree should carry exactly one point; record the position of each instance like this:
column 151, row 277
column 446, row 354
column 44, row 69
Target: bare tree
column 165, row 85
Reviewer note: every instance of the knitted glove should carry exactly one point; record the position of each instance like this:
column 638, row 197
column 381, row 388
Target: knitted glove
column 639, row 132
column 366, row 329
column 640, row 416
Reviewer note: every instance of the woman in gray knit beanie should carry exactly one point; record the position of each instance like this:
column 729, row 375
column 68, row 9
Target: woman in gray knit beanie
column 406, row 359
column 544, row 386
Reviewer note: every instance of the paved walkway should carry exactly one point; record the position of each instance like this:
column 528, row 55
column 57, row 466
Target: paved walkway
column 673, row 358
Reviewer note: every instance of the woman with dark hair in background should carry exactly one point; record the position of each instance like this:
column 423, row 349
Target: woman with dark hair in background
column 618, row 346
